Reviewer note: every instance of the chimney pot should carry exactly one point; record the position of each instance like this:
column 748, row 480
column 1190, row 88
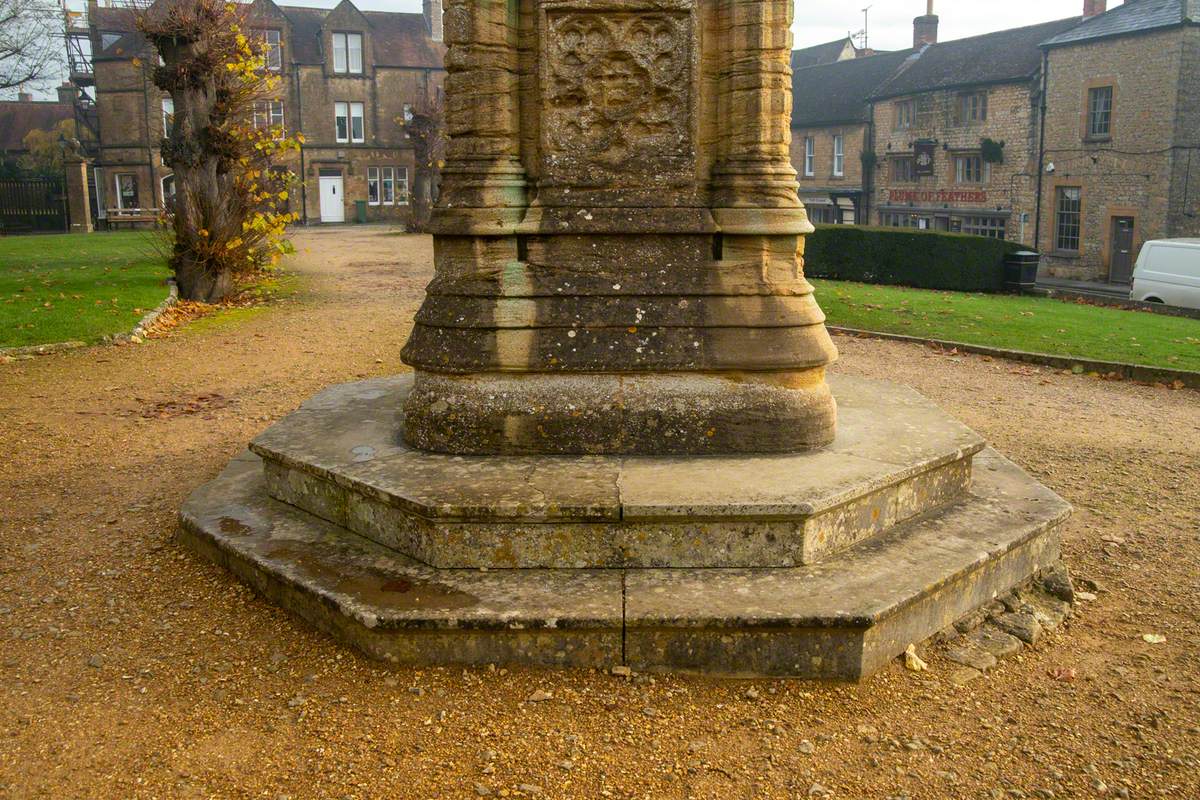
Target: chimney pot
column 925, row 28
column 1092, row 8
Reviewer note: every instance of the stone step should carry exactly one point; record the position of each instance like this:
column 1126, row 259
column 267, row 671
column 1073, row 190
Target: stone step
column 842, row 619
column 342, row 457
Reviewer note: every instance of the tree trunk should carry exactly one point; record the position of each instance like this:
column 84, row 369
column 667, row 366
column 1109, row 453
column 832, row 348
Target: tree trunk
column 422, row 205
column 199, row 283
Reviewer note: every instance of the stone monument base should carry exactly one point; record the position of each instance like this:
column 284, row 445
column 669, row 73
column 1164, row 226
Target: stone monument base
column 822, row 564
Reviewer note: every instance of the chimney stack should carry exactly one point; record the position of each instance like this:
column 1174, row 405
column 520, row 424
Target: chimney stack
column 24, row 97
column 67, row 92
column 925, row 29
column 433, row 18
column 1093, row 8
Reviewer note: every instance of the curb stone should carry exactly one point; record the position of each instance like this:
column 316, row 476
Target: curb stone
column 138, row 333
column 1134, row 372
column 1088, row 298
column 29, row 351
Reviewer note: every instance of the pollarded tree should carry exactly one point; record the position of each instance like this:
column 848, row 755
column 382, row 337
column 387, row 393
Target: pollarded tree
column 425, row 125
column 230, row 211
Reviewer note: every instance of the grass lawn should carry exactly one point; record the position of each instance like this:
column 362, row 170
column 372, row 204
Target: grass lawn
column 76, row 286
column 1033, row 324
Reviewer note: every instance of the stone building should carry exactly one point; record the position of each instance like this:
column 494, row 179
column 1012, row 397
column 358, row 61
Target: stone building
column 20, row 117
column 1080, row 137
column 941, row 136
column 1121, row 160
column 347, row 77
column 828, row 53
column 831, row 133
column 955, row 134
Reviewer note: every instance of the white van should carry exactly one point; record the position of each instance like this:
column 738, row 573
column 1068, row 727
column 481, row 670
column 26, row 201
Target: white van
column 1168, row 271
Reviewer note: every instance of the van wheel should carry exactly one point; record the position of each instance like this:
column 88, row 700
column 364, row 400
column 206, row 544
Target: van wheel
column 1154, row 300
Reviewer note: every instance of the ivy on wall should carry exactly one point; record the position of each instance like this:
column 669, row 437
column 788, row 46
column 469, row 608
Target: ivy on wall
column 993, row 151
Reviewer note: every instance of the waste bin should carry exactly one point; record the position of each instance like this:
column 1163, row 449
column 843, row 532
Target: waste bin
column 360, row 211
column 1020, row 271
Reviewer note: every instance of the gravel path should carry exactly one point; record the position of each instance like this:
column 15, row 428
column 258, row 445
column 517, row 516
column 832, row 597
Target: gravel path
column 129, row 668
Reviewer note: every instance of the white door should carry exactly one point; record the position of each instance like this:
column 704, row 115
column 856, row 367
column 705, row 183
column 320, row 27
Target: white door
column 332, row 207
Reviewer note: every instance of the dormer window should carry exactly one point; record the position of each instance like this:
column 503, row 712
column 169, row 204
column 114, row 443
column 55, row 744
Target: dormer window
column 348, row 53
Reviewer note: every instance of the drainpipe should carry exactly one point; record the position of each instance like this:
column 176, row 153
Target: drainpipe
column 300, row 129
column 869, row 176
column 1041, row 163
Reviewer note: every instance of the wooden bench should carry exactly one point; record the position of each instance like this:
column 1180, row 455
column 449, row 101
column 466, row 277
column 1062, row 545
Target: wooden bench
column 132, row 216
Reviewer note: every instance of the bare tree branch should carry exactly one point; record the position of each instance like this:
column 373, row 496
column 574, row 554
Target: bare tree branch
column 31, row 46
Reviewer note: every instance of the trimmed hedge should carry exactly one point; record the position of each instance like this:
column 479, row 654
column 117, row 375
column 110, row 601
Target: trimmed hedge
column 907, row 257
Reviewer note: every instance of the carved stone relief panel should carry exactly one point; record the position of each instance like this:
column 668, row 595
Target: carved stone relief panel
column 617, row 95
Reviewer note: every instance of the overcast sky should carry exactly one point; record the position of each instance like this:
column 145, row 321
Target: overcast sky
column 819, row 21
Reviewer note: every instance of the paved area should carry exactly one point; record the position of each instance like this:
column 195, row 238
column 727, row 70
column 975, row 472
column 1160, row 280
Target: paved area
column 1117, row 290
column 130, row 668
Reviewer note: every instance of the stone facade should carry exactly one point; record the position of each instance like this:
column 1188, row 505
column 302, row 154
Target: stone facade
column 400, row 69
column 830, row 194
column 1143, row 174
column 965, row 193
column 1087, row 202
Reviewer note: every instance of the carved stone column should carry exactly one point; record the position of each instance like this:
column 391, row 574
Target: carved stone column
column 649, row 302
column 483, row 182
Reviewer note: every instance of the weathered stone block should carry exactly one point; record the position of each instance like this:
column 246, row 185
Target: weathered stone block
column 661, row 245
column 341, row 458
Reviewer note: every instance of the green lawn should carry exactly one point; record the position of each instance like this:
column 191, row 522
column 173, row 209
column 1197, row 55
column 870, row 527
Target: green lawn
column 1016, row 323
column 76, row 286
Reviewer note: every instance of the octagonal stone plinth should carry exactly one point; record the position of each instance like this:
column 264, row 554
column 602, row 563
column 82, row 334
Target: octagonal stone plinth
column 342, row 457
column 841, row 619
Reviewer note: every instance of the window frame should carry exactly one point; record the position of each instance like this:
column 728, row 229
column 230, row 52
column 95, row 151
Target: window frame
column 388, row 186
column 352, row 38
column 373, row 186
column 120, row 195
column 1068, row 228
column 341, row 122
column 1092, row 114
column 990, row 226
column 267, row 114
column 162, row 187
column 900, row 219
column 401, row 181
column 274, row 49
column 344, row 54
column 964, row 175
column 168, row 117
column 839, row 156
column 341, row 54
column 971, row 108
column 909, row 175
column 810, row 156
column 361, row 118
